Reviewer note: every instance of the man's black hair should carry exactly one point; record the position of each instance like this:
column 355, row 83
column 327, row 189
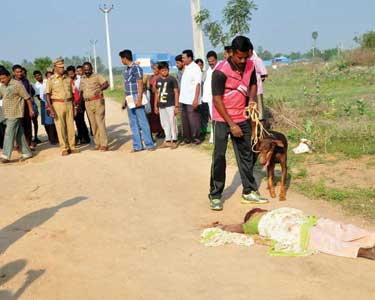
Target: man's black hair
column 188, row 53
column 178, row 58
column 48, row 72
column 163, row 65
column 126, row 54
column 79, row 67
column 241, row 43
column 228, row 48
column 15, row 67
column 71, row 68
column 211, row 54
column 87, row 63
column 199, row 60
column 37, row 72
column 4, row 71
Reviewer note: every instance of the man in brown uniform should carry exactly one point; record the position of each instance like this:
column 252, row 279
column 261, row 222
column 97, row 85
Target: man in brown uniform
column 14, row 96
column 60, row 99
column 92, row 87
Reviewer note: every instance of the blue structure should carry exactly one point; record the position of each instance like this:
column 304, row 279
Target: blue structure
column 282, row 60
column 146, row 60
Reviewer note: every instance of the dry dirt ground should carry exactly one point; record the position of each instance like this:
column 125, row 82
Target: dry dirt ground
column 117, row 225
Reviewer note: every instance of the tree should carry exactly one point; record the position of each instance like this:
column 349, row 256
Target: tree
column 264, row 54
column 6, row 64
column 42, row 63
column 236, row 20
column 314, row 36
column 367, row 40
column 295, row 55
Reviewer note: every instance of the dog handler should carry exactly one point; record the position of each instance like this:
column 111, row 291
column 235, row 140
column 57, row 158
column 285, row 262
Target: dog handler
column 230, row 85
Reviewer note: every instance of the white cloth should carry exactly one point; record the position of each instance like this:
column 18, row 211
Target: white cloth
column 40, row 89
column 191, row 77
column 169, row 123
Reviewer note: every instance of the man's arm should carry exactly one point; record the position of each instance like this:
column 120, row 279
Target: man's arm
column 48, row 99
column 176, row 100
column 196, row 96
column 140, row 92
column 156, row 101
column 25, row 95
column 253, row 89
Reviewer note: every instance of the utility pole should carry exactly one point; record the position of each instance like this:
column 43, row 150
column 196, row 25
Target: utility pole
column 197, row 30
column 93, row 44
column 106, row 10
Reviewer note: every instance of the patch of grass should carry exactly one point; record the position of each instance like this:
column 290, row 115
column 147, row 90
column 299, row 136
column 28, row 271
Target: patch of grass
column 371, row 164
column 358, row 201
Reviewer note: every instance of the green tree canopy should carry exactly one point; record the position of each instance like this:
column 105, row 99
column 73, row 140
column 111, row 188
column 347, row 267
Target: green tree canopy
column 42, row 63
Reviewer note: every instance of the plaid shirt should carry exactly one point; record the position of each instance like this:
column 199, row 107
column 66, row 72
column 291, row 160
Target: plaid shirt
column 132, row 74
column 14, row 96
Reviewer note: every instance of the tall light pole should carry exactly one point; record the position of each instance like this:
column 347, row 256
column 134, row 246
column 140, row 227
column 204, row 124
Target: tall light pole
column 197, row 30
column 93, row 44
column 106, row 10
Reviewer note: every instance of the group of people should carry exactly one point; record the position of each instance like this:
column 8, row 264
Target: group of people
column 64, row 97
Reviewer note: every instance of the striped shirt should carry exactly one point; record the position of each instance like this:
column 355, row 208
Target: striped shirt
column 132, row 74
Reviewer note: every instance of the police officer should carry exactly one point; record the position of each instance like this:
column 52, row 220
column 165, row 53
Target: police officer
column 92, row 87
column 60, row 102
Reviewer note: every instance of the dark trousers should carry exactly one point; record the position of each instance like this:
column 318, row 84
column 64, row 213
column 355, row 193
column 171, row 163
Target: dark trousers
column 27, row 127
column 2, row 134
column 52, row 133
column 82, row 130
column 244, row 157
column 204, row 110
column 191, row 123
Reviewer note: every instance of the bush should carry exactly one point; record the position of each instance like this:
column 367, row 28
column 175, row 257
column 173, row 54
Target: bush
column 360, row 57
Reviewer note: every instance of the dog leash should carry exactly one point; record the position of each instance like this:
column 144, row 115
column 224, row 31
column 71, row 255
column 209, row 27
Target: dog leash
column 252, row 114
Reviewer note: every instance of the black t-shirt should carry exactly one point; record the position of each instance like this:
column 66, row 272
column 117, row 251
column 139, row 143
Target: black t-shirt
column 165, row 87
column 219, row 79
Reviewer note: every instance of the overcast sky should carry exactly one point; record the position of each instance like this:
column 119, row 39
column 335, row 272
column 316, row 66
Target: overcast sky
column 34, row 28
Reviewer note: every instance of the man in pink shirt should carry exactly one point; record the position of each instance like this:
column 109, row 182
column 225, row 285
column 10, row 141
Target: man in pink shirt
column 233, row 83
column 262, row 74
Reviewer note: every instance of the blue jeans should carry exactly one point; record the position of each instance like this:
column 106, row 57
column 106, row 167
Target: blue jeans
column 139, row 123
column 14, row 131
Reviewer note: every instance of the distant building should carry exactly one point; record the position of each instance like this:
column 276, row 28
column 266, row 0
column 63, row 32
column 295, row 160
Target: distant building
column 146, row 60
column 281, row 60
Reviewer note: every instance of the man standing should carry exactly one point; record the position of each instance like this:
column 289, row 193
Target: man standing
column 190, row 99
column 92, row 87
column 14, row 95
column 228, row 52
column 47, row 121
column 82, row 131
column 60, row 99
column 19, row 75
column 133, row 77
column 207, row 88
column 181, row 68
column 79, row 71
column 231, row 81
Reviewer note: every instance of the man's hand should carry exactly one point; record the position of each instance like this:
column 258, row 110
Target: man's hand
column 124, row 104
column 195, row 104
column 176, row 110
column 156, row 110
column 139, row 102
column 98, row 93
column 236, row 131
column 31, row 113
column 75, row 111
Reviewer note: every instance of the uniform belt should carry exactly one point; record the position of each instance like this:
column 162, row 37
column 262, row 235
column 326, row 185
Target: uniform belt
column 99, row 97
column 62, row 100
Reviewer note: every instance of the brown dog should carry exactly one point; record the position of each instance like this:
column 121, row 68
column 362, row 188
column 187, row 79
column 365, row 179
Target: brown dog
column 273, row 149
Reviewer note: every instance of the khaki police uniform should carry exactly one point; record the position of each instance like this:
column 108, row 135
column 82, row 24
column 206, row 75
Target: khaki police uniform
column 92, row 94
column 60, row 89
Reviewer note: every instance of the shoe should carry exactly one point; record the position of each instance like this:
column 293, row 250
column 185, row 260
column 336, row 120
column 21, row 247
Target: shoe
column 96, row 148
column 135, row 150
column 165, row 145
column 26, row 157
column 151, row 149
column 216, row 204
column 174, row 146
column 253, row 198
column 183, row 143
column 37, row 141
column 103, row 148
column 74, row 151
column 5, row 161
column 197, row 142
column 65, row 153
column 85, row 142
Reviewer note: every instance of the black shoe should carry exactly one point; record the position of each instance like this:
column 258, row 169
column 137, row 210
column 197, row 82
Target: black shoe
column 37, row 141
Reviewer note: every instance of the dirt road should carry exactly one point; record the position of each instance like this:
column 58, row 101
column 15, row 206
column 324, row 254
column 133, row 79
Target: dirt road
column 117, row 225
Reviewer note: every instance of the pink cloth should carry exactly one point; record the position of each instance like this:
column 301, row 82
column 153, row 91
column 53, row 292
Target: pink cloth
column 340, row 239
column 261, row 70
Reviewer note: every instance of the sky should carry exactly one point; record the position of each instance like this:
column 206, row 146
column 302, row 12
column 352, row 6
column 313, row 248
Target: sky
column 36, row 28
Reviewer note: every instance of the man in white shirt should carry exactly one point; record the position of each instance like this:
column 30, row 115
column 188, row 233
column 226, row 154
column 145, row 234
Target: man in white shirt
column 207, row 88
column 190, row 99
